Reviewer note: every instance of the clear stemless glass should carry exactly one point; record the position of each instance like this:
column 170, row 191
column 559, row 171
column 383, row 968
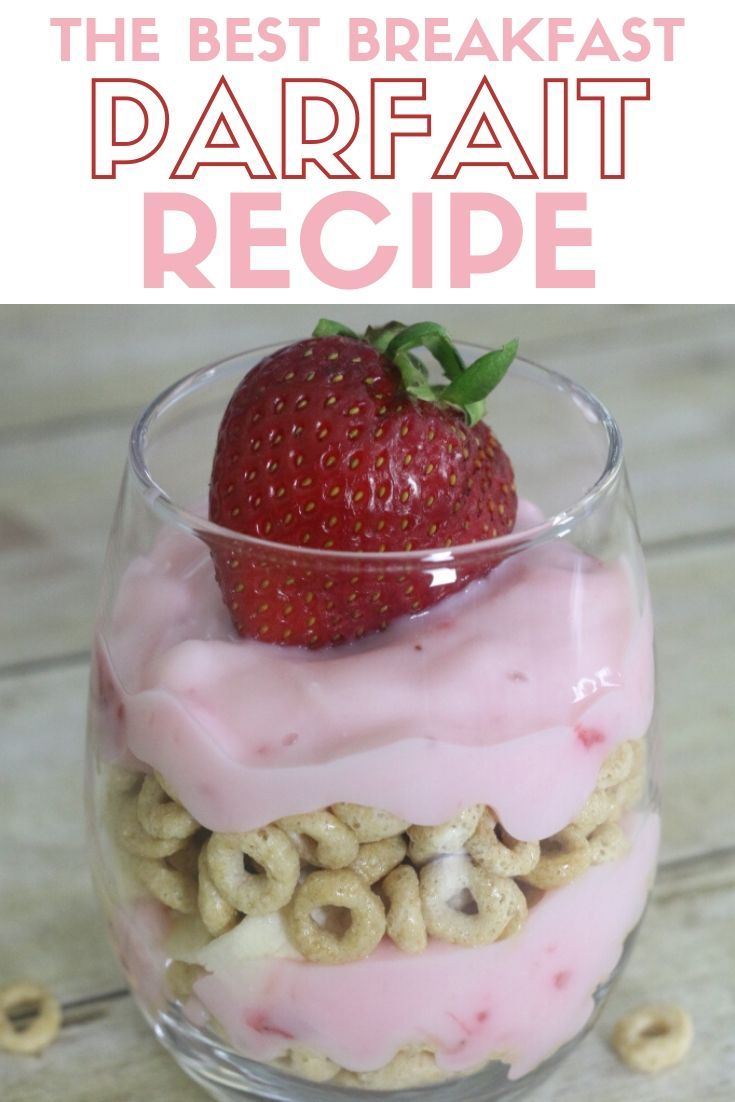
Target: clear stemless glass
column 417, row 859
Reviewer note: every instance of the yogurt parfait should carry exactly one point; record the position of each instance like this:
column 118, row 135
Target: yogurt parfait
column 371, row 779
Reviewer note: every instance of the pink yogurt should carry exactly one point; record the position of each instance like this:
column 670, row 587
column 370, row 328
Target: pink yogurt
column 510, row 693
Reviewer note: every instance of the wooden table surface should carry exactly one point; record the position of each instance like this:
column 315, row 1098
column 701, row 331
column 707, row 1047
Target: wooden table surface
column 71, row 381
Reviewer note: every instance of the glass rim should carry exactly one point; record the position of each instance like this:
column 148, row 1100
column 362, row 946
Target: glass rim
column 552, row 527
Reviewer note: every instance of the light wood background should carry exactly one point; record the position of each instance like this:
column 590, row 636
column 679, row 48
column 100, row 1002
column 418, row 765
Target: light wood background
column 72, row 380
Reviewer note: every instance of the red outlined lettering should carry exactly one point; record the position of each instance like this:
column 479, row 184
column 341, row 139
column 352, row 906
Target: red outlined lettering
column 296, row 94
column 106, row 93
column 246, row 153
column 384, row 106
column 484, row 107
column 612, row 93
column 556, row 128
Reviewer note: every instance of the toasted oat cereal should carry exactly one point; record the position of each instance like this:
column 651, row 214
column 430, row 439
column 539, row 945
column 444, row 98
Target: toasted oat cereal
column 450, row 837
column 404, row 919
column 331, row 943
column 172, row 887
column 30, row 1018
column 180, row 978
column 309, row 1065
column 161, row 816
column 608, row 842
column 256, row 893
column 134, row 838
column 498, row 852
column 564, row 857
column 369, row 824
column 216, row 913
column 651, row 1038
column 414, row 1066
column 597, row 809
column 464, row 903
column 333, row 844
column 376, row 859
column 617, row 766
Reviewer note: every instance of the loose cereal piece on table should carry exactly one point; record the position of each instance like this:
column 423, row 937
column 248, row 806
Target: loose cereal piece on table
column 651, row 1038
column 30, row 1018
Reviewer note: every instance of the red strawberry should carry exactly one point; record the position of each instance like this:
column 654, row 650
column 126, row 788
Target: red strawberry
column 339, row 443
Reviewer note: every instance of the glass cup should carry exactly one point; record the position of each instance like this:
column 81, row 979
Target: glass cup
column 415, row 859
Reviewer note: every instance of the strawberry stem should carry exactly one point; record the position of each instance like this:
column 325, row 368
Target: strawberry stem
column 468, row 386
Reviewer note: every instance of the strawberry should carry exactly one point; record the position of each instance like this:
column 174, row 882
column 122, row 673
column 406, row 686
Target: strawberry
column 340, row 443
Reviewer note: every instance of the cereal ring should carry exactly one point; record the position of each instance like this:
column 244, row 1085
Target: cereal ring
column 607, row 842
column 341, row 888
column 330, row 843
column 597, row 809
column 186, row 859
column 255, row 893
column 369, row 824
column 161, row 816
column 652, row 1038
column 629, row 792
column 450, row 837
column 453, row 883
column 414, row 1066
column 616, row 766
column 564, row 857
column 518, row 916
column 121, row 781
column 532, row 895
column 172, row 887
column 310, row 1065
column 136, row 840
column 216, row 913
column 640, row 755
column 375, row 859
column 498, row 852
column 404, row 919
column 30, row 1018
column 180, row 978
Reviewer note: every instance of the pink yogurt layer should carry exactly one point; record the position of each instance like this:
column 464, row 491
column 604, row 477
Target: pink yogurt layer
column 510, row 693
column 517, row 1000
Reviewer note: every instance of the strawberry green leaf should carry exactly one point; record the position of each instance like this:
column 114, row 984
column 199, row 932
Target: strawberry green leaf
column 380, row 336
column 413, row 374
column 435, row 339
column 327, row 328
column 482, row 376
